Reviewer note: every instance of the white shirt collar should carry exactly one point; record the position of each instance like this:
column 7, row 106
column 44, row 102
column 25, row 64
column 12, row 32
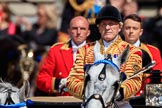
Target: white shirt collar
column 77, row 46
column 137, row 43
column 107, row 44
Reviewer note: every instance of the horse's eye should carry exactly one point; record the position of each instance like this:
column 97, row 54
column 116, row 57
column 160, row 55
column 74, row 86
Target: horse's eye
column 87, row 78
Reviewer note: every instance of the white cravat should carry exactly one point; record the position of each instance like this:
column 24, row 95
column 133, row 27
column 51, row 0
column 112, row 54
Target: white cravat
column 75, row 48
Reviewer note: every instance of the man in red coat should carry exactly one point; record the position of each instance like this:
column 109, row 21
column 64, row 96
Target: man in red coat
column 61, row 56
column 132, row 30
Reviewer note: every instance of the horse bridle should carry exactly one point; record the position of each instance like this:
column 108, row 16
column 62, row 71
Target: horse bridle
column 26, row 62
column 97, row 97
column 101, row 77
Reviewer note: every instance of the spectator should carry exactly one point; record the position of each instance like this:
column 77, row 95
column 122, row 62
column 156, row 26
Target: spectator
column 59, row 61
column 7, row 27
column 132, row 30
column 130, row 7
column 42, row 34
column 118, row 4
column 109, row 23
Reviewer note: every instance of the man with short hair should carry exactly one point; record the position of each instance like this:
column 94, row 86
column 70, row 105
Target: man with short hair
column 132, row 30
column 52, row 75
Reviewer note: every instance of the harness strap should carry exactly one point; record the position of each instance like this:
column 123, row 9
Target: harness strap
column 97, row 97
column 117, row 87
column 107, row 62
column 102, row 74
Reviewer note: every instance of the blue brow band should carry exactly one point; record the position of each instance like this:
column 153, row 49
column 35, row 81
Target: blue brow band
column 107, row 62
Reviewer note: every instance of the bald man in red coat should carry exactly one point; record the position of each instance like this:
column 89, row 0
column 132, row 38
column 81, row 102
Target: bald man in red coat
column 61, row 56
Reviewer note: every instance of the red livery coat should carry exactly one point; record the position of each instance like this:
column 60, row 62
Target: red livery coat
column 56, row 65
column 155, row 55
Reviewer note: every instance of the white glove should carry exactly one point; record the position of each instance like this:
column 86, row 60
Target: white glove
column 62, row 84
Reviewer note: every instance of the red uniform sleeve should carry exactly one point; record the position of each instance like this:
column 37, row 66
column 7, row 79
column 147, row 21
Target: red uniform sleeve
column 45, row 75
column 157, row 57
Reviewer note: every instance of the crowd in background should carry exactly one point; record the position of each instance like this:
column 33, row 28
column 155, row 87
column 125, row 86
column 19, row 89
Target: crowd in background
column 48, row 30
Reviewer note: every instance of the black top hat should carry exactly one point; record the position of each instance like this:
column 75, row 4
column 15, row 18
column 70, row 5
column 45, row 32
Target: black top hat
column 108, row 12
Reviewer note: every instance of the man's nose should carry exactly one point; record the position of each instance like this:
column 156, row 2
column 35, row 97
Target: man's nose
column 108, row 26
column 78, row 30
column 131, row 30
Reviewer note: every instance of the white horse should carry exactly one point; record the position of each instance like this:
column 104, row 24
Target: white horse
column 12, row 96
column 103, row 79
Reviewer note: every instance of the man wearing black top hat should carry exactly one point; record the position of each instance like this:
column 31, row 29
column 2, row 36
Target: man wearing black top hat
column 109, row 23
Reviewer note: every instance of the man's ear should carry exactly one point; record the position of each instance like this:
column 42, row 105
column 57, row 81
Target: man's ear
column 88, row 33
column 141, row 32
column 120, row 26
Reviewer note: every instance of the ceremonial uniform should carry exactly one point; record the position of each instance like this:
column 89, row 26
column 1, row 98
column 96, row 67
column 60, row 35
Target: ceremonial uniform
column 57, row 65
column 85, row 55
column 154, row 54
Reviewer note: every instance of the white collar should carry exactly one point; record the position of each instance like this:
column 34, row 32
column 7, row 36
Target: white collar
column 137, row 43
column 77, row 46
column 106, row 44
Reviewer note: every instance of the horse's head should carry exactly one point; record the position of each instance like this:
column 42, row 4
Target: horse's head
column 102, row 79
column 12, row 95
column 16, row 60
